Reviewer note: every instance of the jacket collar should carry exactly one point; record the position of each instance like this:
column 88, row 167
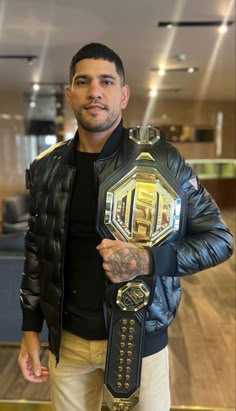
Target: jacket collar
column 109, row 148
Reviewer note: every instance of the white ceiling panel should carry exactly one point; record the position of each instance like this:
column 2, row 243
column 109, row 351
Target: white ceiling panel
column 55, row 29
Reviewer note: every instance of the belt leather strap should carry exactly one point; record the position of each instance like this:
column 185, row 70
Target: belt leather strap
column 125, row 346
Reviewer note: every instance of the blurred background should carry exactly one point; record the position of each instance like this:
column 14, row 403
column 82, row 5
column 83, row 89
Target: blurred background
column 179, row 58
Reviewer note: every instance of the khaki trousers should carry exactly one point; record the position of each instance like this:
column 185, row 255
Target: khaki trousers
column 77, row 381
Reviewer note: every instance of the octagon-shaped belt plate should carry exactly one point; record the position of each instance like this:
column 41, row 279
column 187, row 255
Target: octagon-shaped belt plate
column 142, row 207
column 132, row 296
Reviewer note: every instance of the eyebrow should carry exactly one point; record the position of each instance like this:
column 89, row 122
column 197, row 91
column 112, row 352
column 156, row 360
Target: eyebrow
column 87, row 76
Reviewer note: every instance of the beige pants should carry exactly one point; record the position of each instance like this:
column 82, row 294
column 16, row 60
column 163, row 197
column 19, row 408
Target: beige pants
column 77, row 381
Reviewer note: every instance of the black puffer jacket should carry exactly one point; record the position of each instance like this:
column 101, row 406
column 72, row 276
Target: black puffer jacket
column 205, row 240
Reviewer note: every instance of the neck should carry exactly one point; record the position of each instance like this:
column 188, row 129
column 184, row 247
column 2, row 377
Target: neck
column 93, row 142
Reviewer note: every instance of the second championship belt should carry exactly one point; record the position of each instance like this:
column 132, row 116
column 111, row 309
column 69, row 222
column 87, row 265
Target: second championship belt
column 142, row 204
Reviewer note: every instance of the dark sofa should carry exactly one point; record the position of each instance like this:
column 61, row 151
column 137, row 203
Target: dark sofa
column 15, row 213
column 11, row 268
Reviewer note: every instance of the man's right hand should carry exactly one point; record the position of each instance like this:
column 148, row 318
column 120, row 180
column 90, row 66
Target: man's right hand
column 29, row 358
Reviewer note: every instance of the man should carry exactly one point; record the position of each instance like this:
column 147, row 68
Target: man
column 68, row 266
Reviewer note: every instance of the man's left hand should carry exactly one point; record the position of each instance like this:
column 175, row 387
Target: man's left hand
column 123, row 261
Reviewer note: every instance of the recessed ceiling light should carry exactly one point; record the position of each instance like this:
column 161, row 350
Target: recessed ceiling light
column 18, row 117
column 5, row 116
column 191, row 70
column 161, row 72
column 153, row 93
column 31, row 60
column 32, row 104
column 36, row 87
column 223, row 29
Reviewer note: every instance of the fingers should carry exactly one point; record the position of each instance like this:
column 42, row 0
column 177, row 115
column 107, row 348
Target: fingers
column 106, row 243
column 32, row 378
column 107, row 247
column 35, row 361
column 28, row 373
column 29, row 359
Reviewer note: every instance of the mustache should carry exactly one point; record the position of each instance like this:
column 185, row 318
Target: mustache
column 97, row 103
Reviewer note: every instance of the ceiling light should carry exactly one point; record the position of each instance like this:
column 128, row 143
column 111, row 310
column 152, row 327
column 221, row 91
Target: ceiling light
column 45, row 85
column 36, row 87
column 18, row 117
column 216, row 23
column 28, row 57
column 5, row 116
column 161, row 72
column 164, row 90
column 32, row 104
column 31, row 60
column 223, row 29
column 191, row 70
column 174, row 70
column 153, row 93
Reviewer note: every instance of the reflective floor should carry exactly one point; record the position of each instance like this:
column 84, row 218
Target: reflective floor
column 201, row 348
column 45, row 406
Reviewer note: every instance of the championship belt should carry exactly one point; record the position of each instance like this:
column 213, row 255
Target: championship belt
column 142, row 204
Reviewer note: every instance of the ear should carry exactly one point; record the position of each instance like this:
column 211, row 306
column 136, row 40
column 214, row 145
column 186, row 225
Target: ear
column 125, row 96
column 68, row 95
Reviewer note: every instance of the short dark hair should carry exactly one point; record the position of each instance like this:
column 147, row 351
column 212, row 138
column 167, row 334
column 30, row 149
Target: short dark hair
column 97, row 51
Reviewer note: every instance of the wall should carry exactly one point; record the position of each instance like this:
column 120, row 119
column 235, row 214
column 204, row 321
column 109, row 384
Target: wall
column 190, row 113
column 12, row 162
column 12, row 147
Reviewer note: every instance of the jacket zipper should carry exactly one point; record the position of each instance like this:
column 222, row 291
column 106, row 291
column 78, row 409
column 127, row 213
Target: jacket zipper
column 63, row 254
column 105, row 312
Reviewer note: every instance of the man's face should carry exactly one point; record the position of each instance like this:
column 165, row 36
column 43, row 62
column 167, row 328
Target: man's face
column 96, row 95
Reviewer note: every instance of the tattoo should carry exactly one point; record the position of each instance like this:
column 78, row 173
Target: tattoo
column 128, row 263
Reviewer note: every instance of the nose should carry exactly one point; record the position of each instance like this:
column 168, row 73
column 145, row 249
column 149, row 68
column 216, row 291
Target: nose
column 94, row 90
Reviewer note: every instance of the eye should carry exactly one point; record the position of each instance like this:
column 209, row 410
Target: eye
column 108, row 82
column 80, row 81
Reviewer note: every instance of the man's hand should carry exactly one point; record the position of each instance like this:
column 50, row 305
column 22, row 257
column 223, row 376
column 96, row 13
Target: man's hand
column 123, row 261
column 29, row 358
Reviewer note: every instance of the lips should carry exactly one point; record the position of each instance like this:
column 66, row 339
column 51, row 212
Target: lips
column 95, row 107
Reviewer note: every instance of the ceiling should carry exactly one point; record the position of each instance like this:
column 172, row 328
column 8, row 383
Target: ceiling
column 54, row 30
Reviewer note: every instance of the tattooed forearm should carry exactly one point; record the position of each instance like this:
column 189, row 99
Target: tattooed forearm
column 128, row 262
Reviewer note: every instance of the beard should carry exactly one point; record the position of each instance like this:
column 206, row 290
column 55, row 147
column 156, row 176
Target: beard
column 94, row 124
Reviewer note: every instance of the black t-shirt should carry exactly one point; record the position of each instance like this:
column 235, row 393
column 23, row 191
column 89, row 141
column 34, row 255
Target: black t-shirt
column 84, row 277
